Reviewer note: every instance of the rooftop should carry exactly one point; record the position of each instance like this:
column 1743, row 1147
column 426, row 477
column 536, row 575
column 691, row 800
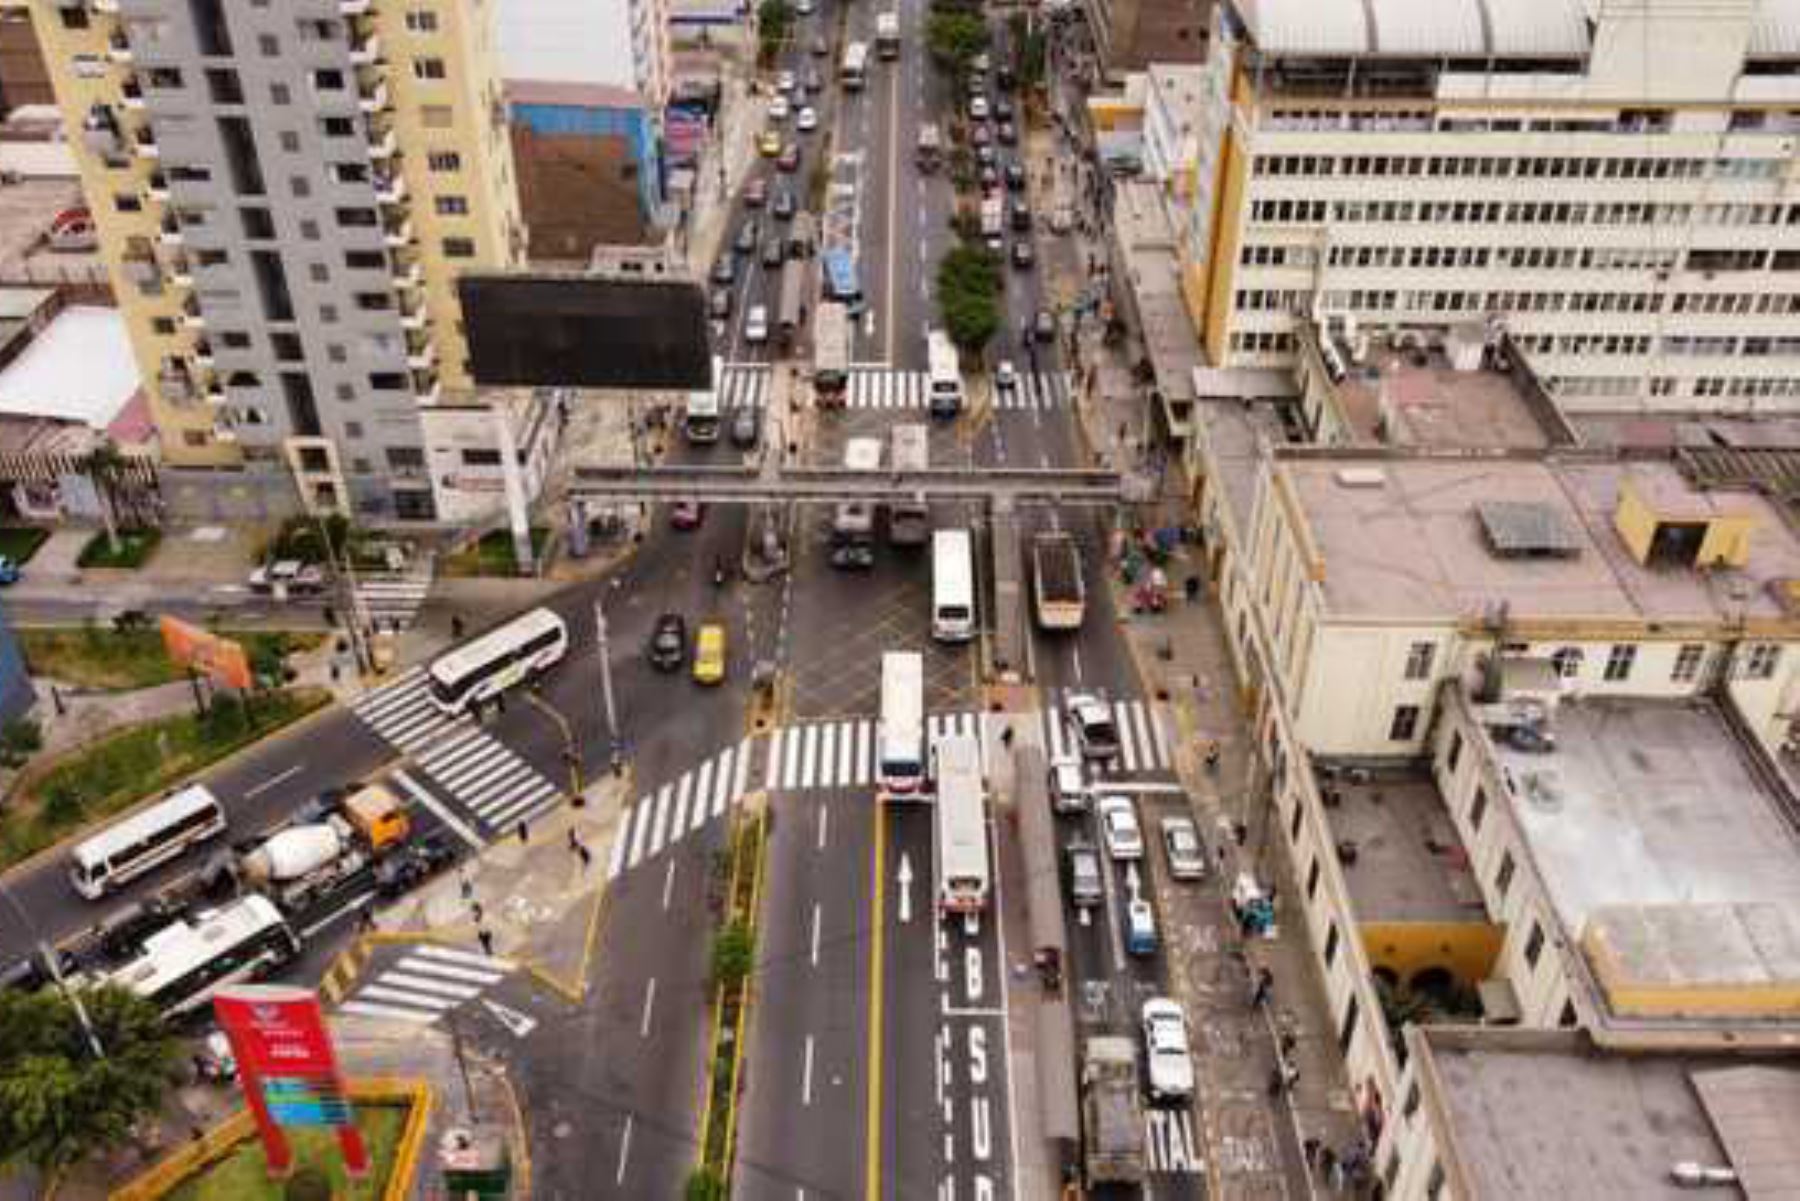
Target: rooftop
column 1357, row 507
column 1660, row 847
column 26, row 210
column 79, row 369
column 1146, row 240
column 1544, row 1115
column 1500, row 28
column 1417, row 398
column 1409, row 866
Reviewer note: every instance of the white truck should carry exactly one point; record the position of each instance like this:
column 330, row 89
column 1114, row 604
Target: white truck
column 1056, row 581
column 300, row 863
column 887, row 34
column 701, row 420
column 993, row 222
column 1112, row 1117
column 909, row 516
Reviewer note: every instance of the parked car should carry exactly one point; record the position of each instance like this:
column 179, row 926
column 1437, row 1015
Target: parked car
column 1003, row 108
column 1068, row 790
column 299, row 579
column 773, row 253
column 1182, row 847
column 990, row 178
column 747, row 235
column 756, row 324
column 1096, row 734
column 687, row 514
column 1166, row 1054
column 785, row 82
column 1019, row 216
column 1119, row 827
column 1085, row 886
column 783, row 208
column 709, row 654
column 718, row 304
column 1043, row 326
column 789, row 159
column 668, row 642
column 1022, row 254
column 807, row 119
column 756, row 193
column 746, row 427
column 725, row 270
column 984, row 154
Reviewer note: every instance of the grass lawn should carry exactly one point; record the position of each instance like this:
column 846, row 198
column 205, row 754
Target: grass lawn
column 244, row 1174
column 87, row 786
column 20, row 542
column 134, row 548
column 98, row 657
column 493, row 555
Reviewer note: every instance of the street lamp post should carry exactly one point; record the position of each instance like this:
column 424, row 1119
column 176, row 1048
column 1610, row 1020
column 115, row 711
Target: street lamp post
column 606, row 686
column 72, row 996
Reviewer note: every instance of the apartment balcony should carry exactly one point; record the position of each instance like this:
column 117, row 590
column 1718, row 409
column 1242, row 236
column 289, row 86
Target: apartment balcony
column 424, row 358
column 143, row 144
column 169, row 233
column 131, row 93
column 427, row 389
column 365, row 52
column 222, row 432
column 118, row 47
column 383, row 145
column 215, row 396
column 175, row 384
column 390, row 188
column 413, row 316
column 202, row 354
column 373, row 100
column 398, row 233
column 191, row 317
column 156, row 186
column 180, row 269
column 141, row 269
column 411, row 276
column 101, row 133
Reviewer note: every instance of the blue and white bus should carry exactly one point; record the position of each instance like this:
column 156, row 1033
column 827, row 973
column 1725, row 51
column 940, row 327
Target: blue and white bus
column 841, row 283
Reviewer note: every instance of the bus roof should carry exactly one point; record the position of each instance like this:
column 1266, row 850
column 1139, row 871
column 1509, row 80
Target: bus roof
column 167, row 812
column 175, row 950
column 863, row 454
column 453, row 665
column 962, row 826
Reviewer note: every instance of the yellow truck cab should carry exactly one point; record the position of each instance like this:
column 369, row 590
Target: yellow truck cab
column 378, row 815
column 709, row 654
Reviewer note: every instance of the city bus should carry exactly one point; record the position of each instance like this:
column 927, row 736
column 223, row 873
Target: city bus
column 856, row 66
column 182, row 965
column 909, row 515
column 831, row 355
column 900, row 738
column 952, row 586
column 125, row 851
column 840, row 280
column 472, row 674
column 792, row 310
column 946, row 395
column 959, row 827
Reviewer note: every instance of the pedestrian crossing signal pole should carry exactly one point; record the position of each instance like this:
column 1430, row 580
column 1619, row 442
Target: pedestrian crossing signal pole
column 606, row 687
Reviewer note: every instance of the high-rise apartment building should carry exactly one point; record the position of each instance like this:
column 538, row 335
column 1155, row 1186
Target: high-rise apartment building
column 1614, row 182
column 285, row 192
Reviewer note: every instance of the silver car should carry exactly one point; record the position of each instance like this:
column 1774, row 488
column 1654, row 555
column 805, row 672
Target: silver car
column 1182, row 846
column 1119, row 828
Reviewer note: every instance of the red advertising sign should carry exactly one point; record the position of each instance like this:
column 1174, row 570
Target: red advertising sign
column 288, row 1070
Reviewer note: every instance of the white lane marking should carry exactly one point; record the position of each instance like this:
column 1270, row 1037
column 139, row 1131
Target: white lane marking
column 624, row 1151
column 810, row 773
column 449, row 971
column 703, row 787
column 272, row 781
column 486, row 963
column 806, row 1074
column 449, row 819
column 827, row 777
column 338, row 914
column 772, row 773
column 418, row 1000
column 683, row 794
column 824, row 822
column 790, row 771
column 640, row 814
column 1075, row 655
column 815, row 934
column 649, row 1007
column 847, row 756
column 865, row 763
column 669, row 885
column 615, row 860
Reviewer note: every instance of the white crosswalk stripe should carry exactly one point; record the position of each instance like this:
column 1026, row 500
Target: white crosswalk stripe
column 679, row 807
column 1169, row 1142
column 744, row 385
column 488, row 779
column 426, row 983
column 401, row 711
column 392, row 601
column 876, row 387
column 1143, row 740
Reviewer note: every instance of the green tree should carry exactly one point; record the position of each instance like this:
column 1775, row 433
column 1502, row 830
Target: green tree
column 954, row 38
column 58, row 1103
column 774, row 21
column 268, row 660
column 106, row 471
column 704, row 1184
column 970, row 286
column 20, row 739
column 734, row 954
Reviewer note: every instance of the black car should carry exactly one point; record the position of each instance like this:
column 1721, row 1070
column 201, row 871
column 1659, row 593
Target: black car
column 412, row 865
column 1022, row 256
column 1015, row 177
column 1006, row 133
column 1003, row 108
column 718, row 304
column 1043, row 327
column 668, row 642
column 1019, row 216
column 746, row 237
column 783, row 208
column 811, row 80
column 746, row 427
column 1004, row 77
column 725, row 270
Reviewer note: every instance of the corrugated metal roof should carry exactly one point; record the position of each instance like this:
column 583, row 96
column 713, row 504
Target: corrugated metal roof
column 1422, row 27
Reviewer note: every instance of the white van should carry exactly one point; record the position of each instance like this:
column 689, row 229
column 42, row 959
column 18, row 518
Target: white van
column 756, row 325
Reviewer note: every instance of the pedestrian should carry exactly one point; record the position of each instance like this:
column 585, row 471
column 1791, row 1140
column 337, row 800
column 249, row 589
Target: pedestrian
column 574, row 842
column 1240, row 833
column 456, row 627
column 1276, row 1082
column 1289, row 1041
column 1212, row 758
column 1265, row 984
column 365, row 920
column 1290, row 1075
column 1311, row 1148
column 1328, row 1166
column 1006, row 737
column 468, row 886
column 487, row 940
column 1219, row 854
column 524, row 833
column 1334, row 1172
column 584, row 854
column 475, row 911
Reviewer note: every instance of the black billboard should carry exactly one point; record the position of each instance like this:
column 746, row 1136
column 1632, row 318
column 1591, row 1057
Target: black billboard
column 581, row 332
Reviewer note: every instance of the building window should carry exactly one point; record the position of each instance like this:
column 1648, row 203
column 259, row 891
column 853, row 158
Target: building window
column 290, row 142
column 1478, row 810
column 1567, row 661
column 1455, row 755
column 1347, row 1031
column 309, row 229
column 1760, row 660
column 1504, row 877
column 402, row 458
column 1687, row 662
column 336, row 352
column 1568, row 1019
column 1405, row 723
column 354, row 429
column 1434, row 1187
column 459, row 248
column 452, row 206
column 1619, row 661
column 481, row 457
column 421, row 20
column 1331, row 944
column 428, row 68
column 1312, row 879
column 328, row 314
column 1418, row 660
column 127, row 203
column 73, row 18
column 268, row 45
column 280, row 93
column 163, row 326
column 1534, row 946
column 300, row 186
column 442, row 161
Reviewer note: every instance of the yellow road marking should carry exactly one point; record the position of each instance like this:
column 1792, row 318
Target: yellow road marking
column 872, row 1159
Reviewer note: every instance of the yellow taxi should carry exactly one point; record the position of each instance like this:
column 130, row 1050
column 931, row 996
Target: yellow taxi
column 769, row 143
column 709, row 654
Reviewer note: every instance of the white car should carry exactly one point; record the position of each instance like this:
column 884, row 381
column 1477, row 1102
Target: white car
column 780, row 109
column 1182, row 845
column 1119, row 828
column 1095, row 732
column 1068, row 791
column 756, row 324
column 785, row 82
column 978, row 108
column 1006, row 378
column 806, row 120
column 1166, row 1050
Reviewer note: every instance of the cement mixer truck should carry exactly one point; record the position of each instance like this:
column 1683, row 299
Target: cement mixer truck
column 321, row 851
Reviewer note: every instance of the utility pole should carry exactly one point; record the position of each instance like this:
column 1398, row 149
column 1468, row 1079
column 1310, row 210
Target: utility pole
column 606, row 686
column 48, row 955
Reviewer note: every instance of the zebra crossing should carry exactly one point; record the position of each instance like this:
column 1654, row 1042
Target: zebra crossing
column 659, row 819
column 426, row 983
column 1170, row 1146
column 841, row 754
column 747, row 385
column 488, row 779
column 1144, row 744
column 401, row 712
column 392, row 602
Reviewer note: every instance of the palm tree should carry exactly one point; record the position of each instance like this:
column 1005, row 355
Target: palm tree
column 106, row 469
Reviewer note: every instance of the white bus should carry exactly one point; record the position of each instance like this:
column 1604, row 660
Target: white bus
column 856, row 66
column 474, row 673
column 945, row 372
column 959, row 827
column 900, row 738
column 184, row 964
column 909, row 515
column 142, row 841
column 702, row 419
column 952, row 586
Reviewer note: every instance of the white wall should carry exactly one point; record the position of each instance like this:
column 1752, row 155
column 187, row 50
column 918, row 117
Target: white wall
column 566, row 41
